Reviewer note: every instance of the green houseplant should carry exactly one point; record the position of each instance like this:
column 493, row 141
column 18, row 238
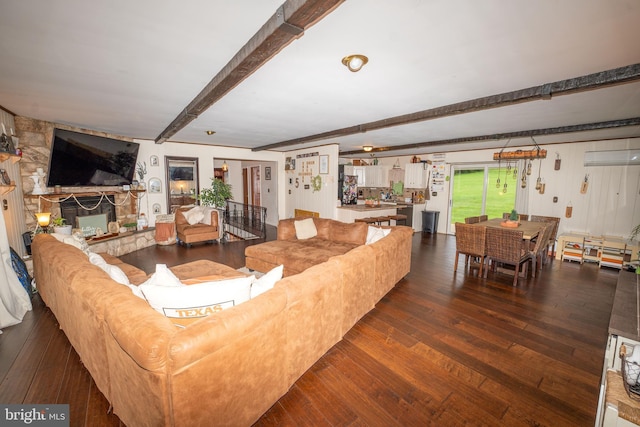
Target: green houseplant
column 216, row 195
column 514, row 215
column 59, row 225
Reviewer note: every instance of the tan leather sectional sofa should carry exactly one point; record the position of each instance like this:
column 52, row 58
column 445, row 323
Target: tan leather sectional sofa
column 228, row 368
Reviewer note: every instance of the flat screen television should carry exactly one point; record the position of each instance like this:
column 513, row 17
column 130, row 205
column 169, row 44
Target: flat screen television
column 181, row 173
column 84, row 160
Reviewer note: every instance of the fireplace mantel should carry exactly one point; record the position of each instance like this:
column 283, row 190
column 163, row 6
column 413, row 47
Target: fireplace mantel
column 46, row 200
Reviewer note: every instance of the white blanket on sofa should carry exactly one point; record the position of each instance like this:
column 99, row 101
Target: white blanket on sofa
column 14, row 299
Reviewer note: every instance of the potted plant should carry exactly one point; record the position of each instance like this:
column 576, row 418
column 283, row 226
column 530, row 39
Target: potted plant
column 217, row 195
column 513, row 221
column 60, row 227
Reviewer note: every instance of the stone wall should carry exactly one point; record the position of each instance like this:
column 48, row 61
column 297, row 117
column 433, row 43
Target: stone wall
column 126, row 243
column 36, row 137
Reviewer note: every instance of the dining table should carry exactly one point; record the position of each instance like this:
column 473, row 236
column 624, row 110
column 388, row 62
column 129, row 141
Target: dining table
column 530, row 229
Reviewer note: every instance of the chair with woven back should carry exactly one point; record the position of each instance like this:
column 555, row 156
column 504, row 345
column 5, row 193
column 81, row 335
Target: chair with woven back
column 472, row 220
column 470, row 241
column 553, row 234
column 484, row 218
column 539, row 248
column 507, row 246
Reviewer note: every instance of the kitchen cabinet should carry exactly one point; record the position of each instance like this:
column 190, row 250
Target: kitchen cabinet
column 376, row 176
column 415, row 176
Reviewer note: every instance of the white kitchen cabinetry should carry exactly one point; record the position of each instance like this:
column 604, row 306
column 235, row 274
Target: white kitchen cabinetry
column 415, row 176
column 376, row 176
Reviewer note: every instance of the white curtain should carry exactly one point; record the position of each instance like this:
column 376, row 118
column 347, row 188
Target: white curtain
column 14, row 299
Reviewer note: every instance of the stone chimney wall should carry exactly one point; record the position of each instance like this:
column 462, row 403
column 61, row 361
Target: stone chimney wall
column 36, row 137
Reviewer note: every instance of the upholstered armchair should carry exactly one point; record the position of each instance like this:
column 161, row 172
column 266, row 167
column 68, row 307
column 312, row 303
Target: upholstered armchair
column 197, row 224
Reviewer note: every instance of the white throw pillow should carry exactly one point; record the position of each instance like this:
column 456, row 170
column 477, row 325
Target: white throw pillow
column 113, row 271
column 375, row 233
column 185, row 304
column 267, row 281
column 96, row 259
column 194, row 215
column 163, row 277
column 305, row 229
column 116, row 274
column 206, row 212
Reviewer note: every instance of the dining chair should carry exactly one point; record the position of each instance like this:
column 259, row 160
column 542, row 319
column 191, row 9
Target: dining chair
column 507, row 246
column 523, row 217
column 539, row 247
column 472, row 220
column 484, row 218
column 470, row 241
column 553, row 235
column 506, row 215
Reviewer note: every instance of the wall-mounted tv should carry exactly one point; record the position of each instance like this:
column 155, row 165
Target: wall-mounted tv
column 84, row 160
column 181, row 173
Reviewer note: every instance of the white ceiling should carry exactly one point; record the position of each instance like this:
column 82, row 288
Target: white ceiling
column 130, row 67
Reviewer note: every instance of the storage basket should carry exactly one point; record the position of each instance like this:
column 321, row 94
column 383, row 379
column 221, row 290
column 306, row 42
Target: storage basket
column 630, row 374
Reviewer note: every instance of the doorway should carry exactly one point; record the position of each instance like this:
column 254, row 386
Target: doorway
column 481, row 190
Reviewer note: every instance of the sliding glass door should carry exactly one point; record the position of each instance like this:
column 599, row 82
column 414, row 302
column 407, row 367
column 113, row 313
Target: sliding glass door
column 481, row 190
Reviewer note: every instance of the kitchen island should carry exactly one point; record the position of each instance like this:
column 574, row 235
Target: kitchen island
column 349, row 213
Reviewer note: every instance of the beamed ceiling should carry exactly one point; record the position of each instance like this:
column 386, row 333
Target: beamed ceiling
column 266, row 75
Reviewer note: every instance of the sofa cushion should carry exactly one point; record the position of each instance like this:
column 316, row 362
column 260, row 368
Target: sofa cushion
column 267, row 281
column 135, row 275
column 187, row 304
column 305, row 229
column 352, row 233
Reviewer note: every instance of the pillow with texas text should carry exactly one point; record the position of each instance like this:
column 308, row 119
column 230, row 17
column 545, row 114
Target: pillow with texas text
column 187, row 304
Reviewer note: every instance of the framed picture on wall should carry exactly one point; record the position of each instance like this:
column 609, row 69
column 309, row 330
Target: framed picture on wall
column 267, row 173
column 153, row 161
column 324, row 164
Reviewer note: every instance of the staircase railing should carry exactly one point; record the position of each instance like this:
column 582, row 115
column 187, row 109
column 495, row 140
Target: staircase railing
column 244, row 221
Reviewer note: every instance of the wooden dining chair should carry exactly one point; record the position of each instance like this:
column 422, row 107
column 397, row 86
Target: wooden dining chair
column 507, row 246
column 470, row 241
column 472, row 220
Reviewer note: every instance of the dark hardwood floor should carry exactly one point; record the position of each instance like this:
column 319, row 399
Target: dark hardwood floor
column 438, row 350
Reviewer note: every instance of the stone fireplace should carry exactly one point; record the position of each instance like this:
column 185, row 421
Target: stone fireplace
column 73, row 208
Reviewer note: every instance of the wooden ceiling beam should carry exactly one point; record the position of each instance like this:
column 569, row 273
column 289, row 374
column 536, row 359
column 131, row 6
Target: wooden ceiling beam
column 635, row 121
column 286, row 25
column 617, row 76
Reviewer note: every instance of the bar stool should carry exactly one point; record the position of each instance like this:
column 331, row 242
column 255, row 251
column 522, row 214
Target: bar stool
column 368, row 220
column 398, row 218
column 380, row 219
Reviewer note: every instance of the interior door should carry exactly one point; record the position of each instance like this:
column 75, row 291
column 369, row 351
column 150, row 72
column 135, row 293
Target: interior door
column 182, row 181
column 481, row 190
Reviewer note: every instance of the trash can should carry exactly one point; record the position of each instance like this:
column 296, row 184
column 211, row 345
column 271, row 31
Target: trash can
column 430, row 221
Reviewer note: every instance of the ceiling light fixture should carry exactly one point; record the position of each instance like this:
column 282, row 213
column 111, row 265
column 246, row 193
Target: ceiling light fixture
column 367, row 148
column 225, row 166
column 210, row 132
column 355, row 62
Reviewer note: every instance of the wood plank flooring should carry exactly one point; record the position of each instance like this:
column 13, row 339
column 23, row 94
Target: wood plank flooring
column 439, row 349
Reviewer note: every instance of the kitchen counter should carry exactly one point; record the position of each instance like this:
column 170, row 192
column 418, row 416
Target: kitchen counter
column 361, row 208
column 349, row 213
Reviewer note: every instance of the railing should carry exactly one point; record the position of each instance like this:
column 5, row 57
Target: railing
column 244, row 222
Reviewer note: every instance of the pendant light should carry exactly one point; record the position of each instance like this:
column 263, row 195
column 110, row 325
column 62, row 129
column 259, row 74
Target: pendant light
column 225, row 166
